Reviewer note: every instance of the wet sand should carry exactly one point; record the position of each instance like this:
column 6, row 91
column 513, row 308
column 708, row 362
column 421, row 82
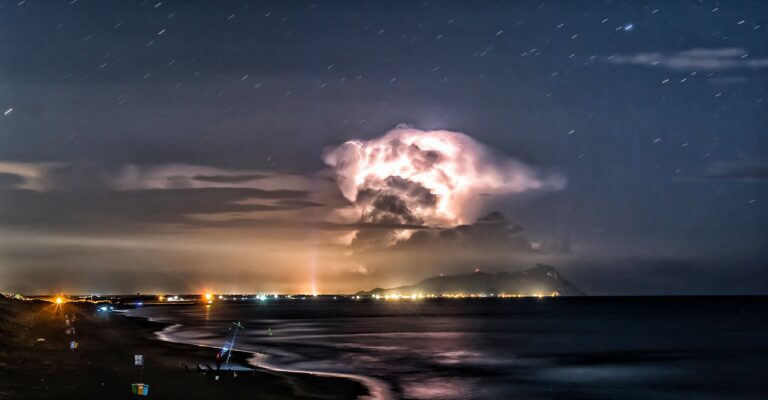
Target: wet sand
column 102, row 365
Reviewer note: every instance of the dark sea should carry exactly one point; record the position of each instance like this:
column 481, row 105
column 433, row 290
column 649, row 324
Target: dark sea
column 659, row 348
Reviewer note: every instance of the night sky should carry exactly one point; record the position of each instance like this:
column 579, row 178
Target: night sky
column 179, row 146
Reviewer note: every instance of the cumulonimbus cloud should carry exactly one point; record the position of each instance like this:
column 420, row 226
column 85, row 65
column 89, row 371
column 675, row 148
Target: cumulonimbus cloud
column 435, row 177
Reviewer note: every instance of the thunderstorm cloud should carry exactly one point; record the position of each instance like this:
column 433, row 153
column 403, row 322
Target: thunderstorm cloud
column 430, row 177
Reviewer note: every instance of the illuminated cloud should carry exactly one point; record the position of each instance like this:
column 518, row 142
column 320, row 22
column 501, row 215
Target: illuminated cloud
column 438, row 177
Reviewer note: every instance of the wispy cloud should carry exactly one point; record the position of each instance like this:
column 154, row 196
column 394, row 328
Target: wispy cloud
column 140, row 197
column 741, row 171
column 697, row 59
column 48, row 176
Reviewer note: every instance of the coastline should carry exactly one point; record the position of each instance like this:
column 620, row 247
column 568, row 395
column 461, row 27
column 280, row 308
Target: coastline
column 102, row 365
column 377, row 390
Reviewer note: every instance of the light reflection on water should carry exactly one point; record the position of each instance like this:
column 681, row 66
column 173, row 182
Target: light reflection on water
column 553, row 349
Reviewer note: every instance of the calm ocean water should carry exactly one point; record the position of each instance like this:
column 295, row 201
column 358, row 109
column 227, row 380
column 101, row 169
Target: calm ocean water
column 554, row 348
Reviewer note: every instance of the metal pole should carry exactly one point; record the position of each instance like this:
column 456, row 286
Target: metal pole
column 232, row 344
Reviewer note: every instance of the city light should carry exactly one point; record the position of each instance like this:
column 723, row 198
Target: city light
column 419, row 296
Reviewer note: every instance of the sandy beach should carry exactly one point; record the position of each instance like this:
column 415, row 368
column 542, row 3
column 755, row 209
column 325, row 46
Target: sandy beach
column 36, row 361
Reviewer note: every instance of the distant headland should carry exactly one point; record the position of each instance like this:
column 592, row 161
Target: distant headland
column 541, row 280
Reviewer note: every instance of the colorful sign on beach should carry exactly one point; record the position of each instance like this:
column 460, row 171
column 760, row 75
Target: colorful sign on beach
column 139, row 389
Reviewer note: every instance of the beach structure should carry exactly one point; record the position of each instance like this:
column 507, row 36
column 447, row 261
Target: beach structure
column 229, row 345
column 140, row 389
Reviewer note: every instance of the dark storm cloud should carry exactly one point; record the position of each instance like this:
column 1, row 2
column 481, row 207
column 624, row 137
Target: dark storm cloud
column 75, row 177
column 389, row 208
column 9, row 181
column 391, row 205
column 492, row 234
column 227, row 178
column 382, row 230
column 412, row 189
column 385, row 208
column 127, row 209
column 493, row 243
column 493, row 231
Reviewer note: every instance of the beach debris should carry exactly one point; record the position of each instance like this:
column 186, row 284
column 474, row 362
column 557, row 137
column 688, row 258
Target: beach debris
column 40, row 340
column 69, row 331
column 73, row 345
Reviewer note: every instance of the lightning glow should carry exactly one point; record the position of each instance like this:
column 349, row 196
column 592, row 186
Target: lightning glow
column 412, row 176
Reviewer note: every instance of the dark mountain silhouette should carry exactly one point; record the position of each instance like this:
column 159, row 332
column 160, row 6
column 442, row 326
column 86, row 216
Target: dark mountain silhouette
column 540, row 280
